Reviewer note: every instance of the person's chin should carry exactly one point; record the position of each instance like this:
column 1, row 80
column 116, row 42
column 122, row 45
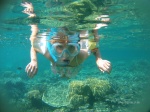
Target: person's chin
column 64, row 62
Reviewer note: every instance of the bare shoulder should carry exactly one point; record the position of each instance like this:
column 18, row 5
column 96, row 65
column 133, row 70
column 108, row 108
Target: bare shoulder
column 39, row 44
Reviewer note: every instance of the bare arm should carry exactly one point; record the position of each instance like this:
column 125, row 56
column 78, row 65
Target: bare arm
column 96, row 50
column 103, row 65
column 29, row 10
column 32, row 67
column 34, row 30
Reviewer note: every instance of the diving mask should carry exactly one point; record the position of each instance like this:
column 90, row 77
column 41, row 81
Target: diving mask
column 59, row 43
column 72, row 49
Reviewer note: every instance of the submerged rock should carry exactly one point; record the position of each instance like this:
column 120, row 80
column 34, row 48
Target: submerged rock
column 15, row 87
column 79, row 87
column 34, row 94
column 86, row 92
column 35, row 98
column 98, row 87
column 56, row 95
column 77, row 93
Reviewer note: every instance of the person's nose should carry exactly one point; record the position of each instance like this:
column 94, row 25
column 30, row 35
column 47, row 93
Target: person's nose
column 65, row 54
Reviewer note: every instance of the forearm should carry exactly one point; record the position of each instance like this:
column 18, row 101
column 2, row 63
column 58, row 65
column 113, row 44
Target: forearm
column 34, row 31
column 96, row 36
column 33, row 36
column 97, row 54
column 33, row 54
column 29, row 10
column 96, row 50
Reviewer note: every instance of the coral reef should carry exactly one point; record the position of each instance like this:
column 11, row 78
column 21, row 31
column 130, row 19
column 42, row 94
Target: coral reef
column 79, row 93
column 79, row 87
column 82, row 92
column 55, row 95
column 34, row 94
column 35, row 99
column 98, row 87
column 7, row 74
column 14, row 87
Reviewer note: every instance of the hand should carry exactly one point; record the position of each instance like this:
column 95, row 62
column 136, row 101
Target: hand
column 104, row 19
column 100, row 25
column 31, row 68
column 104, row 65
column 28, row 9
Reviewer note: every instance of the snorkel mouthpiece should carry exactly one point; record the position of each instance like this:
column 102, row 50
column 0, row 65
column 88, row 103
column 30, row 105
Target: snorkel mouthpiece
column 64, row 63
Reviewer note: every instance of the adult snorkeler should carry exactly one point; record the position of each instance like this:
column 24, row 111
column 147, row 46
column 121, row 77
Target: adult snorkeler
column 62, row 48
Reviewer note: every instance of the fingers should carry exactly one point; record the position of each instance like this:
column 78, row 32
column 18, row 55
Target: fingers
column 28, row 7
column 104, row 16
column 27, row 68
column 26, row 12
column 101, row 70
column 26, row 4
column 108, row 61
column 31, row 70
column 109, row 70
column 105, row 20
column 98, row 26
column 105, row 66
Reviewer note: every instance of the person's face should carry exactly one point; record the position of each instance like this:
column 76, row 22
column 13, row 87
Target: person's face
column 64, row 46
column 65, row 52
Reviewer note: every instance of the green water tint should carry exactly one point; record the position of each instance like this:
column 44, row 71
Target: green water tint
column 76, row 15
column 77, row 93
column 81, row 14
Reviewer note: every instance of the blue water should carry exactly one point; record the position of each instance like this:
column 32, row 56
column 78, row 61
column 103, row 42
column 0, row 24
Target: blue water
column 125, row 42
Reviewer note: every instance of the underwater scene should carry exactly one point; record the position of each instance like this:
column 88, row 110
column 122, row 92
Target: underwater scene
column 122, row 86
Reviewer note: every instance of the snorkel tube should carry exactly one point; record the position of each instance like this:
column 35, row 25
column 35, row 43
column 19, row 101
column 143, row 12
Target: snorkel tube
column 53, row 32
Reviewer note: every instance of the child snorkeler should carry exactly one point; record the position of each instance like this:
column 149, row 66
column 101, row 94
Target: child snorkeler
column 66, row 50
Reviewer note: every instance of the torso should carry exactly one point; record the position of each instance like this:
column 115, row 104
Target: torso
column 77, row 60
column 72, row 69
column 39, row 45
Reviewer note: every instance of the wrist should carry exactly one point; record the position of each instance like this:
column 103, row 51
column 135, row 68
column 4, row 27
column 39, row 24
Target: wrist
column 32, row 15
column 98, row 58
column 95, row 51
column 96, row 54
column 34, row 60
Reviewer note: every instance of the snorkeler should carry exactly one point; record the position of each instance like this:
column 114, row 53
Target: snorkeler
column 66, row 50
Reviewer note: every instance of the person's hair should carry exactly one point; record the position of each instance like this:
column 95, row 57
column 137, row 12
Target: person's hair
column 66, row 30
